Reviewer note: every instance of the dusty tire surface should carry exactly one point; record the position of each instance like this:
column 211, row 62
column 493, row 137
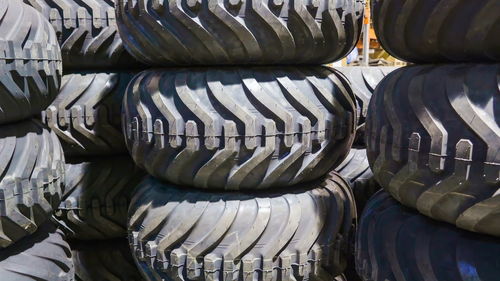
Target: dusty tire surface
column 356, row 171
column 30, row 62
column 239, row 32
column 364, row 80
column 42, row 256
column 31, row 178
column 86, row 113
column 104, row 260
column 87, row 33
column 395, row 243
column 425, row 31
column 187, row 234
column 96, row 198
column 234, row 128
column 434, row 140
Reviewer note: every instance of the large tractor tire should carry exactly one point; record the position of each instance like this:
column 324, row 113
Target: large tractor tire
column 42, row 256
column 395, row 243
column 356, row 171
column 96, row 198
column 239, row 128
column 31, row 178
column 87, row 33
column 424, row 31
column 183, row 234
column 364, row 80
column 434, row 140
column 105, row 260
column 239, row 32
column 86, row 113
column 30, row 62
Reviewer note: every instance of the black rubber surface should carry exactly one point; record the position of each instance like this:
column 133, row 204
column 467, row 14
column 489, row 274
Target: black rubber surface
column 96, row 198
column 195, row 32
column 184, row 234
column 364, row 80
column 434, row 140
column 395, row 243
column 42, row 256
column 105, row 260
column 424, row 31
column 239, row 128
column 30, row 62
column 31, row 178
column 86, row 113
column 355, row 170
column 87, row 33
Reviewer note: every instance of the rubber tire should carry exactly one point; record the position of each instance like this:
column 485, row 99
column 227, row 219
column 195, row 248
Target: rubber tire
column 434, row 139
column 86, row 113
column 356, row 171
column 42, row 256
column 242, row 128
column 364, row 80
column 424, row 31
column 216, row 33
column 30, row 62
column 87, row 33
column 184, row 234
column 104, row 260
column 95, row 202
column 395, row 243
column 31, row 178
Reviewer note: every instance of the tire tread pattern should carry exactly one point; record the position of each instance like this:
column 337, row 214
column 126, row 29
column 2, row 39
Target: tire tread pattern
column 434, row 142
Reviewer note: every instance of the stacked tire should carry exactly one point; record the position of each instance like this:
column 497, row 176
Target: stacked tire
column 239, row 137
column 31, row 157
column 432, row 134
column 85, row 115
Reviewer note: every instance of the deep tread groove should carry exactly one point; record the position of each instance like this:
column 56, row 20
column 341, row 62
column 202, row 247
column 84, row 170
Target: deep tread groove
column 395, row 243
column 433, row 141
column 31, row 178
column 87, row 33
column 95, row 201
column 86, row 113
column 228, row 128
column 185, row 234
column 30, row 62
column 424, row 31
column 239, row 32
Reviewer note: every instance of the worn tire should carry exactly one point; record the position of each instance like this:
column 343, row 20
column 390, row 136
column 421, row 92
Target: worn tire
column 241, row 128
column 364, row 80
column 183, row 234
column 104, row 261
column 425, row 31
column 434, row 142
column 239, row 32
column 86, row 113
column 87, row 33
column 31, row 178
column 395, row 243
column 42, row 256
column 30, row 62
column 95, row 202
column 356, row 171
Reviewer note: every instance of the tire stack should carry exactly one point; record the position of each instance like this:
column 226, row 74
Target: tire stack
column 433, row 142
column 31, row 157
column 238, row 136
column 85, row 115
